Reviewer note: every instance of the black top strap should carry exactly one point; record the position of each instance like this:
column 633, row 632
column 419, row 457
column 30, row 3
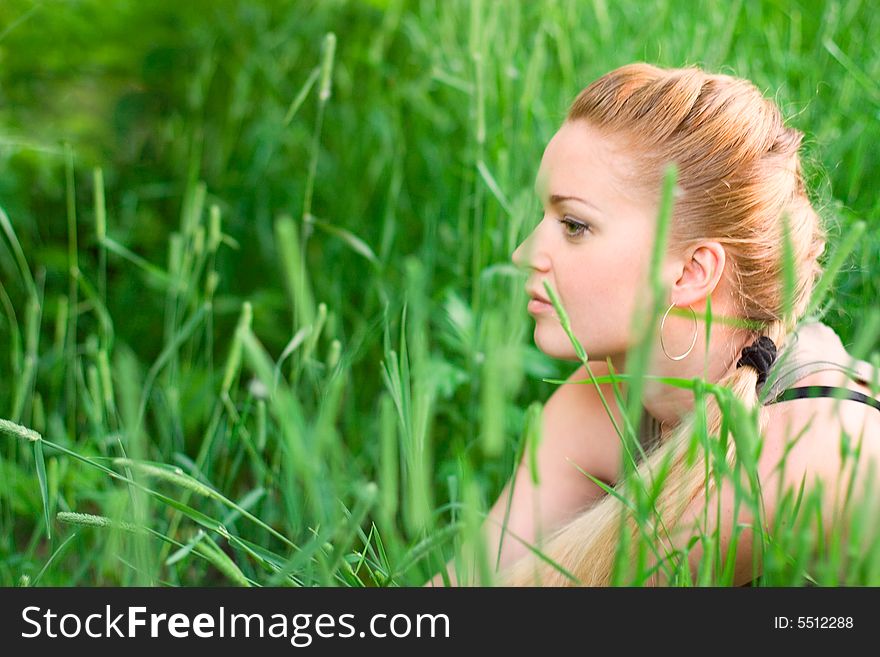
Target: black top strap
column 824, row 391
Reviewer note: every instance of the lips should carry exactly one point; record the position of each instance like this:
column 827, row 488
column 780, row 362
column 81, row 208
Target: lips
column 538, row 303
column 534, row 294
column 537, row 307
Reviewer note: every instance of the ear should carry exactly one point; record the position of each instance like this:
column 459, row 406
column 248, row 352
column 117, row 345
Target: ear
column 701, row 269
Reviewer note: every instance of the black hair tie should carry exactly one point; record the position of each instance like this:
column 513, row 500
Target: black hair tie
column 760, row 355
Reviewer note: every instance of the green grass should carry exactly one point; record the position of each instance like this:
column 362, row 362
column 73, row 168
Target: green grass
column 256, row 295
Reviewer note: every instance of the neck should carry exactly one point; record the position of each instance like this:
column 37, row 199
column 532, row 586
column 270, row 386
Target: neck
column 668, row 404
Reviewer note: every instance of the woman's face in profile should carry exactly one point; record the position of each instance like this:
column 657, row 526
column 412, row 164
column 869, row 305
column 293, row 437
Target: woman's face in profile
column 593, row 243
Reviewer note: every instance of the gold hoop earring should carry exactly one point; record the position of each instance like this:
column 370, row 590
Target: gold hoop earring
column 693, row 342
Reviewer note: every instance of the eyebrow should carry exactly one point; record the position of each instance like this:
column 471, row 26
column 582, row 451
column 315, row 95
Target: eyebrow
column 556, row 199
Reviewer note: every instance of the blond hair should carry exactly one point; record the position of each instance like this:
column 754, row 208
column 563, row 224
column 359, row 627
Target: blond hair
column 739, row 173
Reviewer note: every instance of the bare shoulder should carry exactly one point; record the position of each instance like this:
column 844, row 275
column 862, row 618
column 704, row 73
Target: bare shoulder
column 814, row 433
column 821, row 425
column 577, row 427
column 802, row 444
column 551, row 486
column 816, row 437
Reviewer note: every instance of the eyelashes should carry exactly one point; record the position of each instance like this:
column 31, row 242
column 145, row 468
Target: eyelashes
column 572, row 228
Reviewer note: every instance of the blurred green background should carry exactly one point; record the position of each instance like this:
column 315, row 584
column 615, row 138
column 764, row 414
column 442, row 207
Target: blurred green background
column 394, row 198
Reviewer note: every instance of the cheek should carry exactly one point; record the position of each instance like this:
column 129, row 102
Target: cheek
column 606, row 298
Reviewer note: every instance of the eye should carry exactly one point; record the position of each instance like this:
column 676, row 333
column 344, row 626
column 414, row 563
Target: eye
column 573, row 228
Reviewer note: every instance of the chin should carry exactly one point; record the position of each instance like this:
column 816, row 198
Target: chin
column 553, row 345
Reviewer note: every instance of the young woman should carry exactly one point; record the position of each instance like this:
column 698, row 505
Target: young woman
column 599, row 182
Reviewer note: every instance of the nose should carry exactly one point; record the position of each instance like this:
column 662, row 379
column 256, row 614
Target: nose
column 530, row 254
